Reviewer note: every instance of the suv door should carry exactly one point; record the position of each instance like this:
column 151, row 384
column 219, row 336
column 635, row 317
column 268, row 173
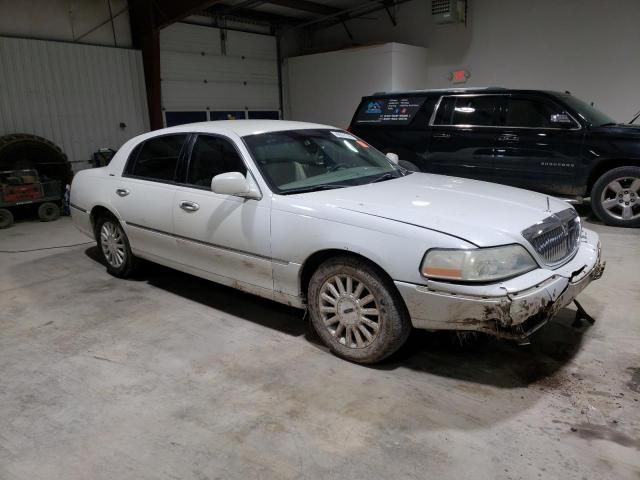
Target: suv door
column 224, row 235
column 538, row 146
column 143, row 196
column 462, row 136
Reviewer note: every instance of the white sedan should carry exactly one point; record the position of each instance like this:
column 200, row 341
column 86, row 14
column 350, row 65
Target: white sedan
column 312, row 216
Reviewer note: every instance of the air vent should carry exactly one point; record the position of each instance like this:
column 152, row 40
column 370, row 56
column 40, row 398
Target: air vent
column 448, row 11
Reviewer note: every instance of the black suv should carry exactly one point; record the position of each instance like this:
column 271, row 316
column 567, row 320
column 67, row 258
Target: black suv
column 540, row 140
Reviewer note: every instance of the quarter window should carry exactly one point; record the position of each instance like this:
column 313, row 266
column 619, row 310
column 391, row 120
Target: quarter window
column 467, row 110
column 212, row 156
column 157, row 159
column 525, row 112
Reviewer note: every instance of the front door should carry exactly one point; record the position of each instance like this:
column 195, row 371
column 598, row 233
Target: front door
column 538, row 146
column 143, row 196
column 462, row 136
column 224, row 235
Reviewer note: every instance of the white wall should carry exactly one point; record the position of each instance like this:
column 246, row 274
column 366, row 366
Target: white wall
column 327, row 87
column 74, row 95
column 65, row 20
column 589, row 47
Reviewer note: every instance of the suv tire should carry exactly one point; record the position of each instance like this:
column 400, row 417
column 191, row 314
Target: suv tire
column 615, row 197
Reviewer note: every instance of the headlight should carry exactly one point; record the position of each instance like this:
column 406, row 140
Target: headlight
column 478, row 265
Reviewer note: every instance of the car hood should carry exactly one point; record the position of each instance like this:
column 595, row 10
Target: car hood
column 482, row 213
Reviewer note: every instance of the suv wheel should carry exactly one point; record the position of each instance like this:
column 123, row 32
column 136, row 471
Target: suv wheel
column 357, row 312
column 113, row 245
column 615, row 197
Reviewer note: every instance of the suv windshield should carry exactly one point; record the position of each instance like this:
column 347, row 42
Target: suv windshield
column 592, row 115
column 294, row 161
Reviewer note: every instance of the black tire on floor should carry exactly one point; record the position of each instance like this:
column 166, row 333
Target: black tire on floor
column 48, row 212
column 130, row 262
column 6, row 218
column 364, row 343
column 626, row 178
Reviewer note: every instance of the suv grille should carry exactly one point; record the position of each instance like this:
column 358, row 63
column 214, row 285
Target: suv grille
column 556, row 237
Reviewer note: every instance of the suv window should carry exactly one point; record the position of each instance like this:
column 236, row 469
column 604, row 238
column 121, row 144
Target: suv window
column 157, row 158
column 527, row 112
column 212, row 156
column 467, row 110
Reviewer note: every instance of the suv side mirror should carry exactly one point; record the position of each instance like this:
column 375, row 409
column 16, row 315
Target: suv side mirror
column 393, row 157
column 561, row 119
column 233, row 183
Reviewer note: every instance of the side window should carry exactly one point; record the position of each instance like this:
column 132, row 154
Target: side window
column 526, row 112
column 157, row 158
column 212, row 156
column 467, row 110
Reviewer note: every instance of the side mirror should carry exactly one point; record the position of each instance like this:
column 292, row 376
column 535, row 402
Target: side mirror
column 393, row 157
column 562, row 119
column 233, row 183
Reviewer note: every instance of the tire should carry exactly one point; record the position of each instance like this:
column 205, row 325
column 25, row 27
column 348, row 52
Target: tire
column 114, row 247
column 343, row 325
column 48, row 212
column 615, row 197
column 6, row 218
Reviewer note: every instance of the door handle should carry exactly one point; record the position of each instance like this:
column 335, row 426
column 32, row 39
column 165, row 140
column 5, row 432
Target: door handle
column 189, row 206
column 441, row 135
column 122, row 192
column 508, row 137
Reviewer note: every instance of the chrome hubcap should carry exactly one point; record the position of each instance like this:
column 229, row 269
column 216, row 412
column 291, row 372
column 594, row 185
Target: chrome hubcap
column 621, row 199
column 112, row 242
column 349, row 311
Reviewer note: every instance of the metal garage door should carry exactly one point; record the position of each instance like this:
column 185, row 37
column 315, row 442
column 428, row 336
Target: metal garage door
column 208, row 73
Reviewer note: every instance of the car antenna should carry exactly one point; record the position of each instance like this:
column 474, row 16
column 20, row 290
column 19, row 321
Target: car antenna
column 634, row 118
column 548, row 205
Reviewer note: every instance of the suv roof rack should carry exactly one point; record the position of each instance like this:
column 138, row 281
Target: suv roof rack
column 436, row 90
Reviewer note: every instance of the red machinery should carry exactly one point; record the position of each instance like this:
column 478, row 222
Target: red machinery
column 24, row 187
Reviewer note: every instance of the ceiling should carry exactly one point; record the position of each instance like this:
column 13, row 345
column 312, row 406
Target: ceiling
column 300, row 14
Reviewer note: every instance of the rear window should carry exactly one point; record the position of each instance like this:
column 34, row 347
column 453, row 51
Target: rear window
column 389, row 111
column 157, row 158
column 467, row 110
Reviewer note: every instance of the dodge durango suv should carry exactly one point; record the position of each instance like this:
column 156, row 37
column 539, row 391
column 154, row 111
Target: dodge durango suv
column 546, row 141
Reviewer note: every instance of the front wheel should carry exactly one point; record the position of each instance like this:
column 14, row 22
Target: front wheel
column 356, row 311
column 615, row 197
column 113, row 245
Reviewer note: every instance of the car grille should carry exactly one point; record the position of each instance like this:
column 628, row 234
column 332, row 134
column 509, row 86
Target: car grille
column 555, row 238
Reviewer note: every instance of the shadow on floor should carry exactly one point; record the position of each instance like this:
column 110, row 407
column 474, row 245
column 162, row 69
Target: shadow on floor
column 474, row 358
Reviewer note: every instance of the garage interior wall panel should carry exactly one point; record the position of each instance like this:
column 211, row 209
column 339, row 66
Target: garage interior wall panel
column 327, row 87
column 200, row 71
column 73, row 95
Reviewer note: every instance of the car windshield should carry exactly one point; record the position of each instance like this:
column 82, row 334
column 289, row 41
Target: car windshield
column 592, row 115
column 294, row 161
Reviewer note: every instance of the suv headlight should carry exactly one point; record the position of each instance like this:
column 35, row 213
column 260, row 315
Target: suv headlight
column 478, row 265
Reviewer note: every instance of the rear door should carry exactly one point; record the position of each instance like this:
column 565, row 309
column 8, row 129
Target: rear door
column 143, row 196
column 462, row 137
column 538, row 146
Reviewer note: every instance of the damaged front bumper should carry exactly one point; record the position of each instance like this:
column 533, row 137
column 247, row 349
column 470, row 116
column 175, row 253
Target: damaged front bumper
column 511, row 309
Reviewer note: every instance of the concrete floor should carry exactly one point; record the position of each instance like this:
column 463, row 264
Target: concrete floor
column 172, row 377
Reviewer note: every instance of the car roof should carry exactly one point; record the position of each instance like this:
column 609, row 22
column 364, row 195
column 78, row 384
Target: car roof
column 244, row 127
column 474, row 90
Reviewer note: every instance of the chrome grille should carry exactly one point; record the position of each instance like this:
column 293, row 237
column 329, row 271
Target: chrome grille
column 556, row 237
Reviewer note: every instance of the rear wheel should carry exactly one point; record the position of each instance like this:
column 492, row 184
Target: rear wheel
column 6, row 218
column 615, row 197
column 114, row 247
column 48, row 211
column 356, row 311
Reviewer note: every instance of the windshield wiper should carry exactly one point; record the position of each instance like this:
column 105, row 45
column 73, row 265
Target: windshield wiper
column 385, row 176
column 313, row 188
